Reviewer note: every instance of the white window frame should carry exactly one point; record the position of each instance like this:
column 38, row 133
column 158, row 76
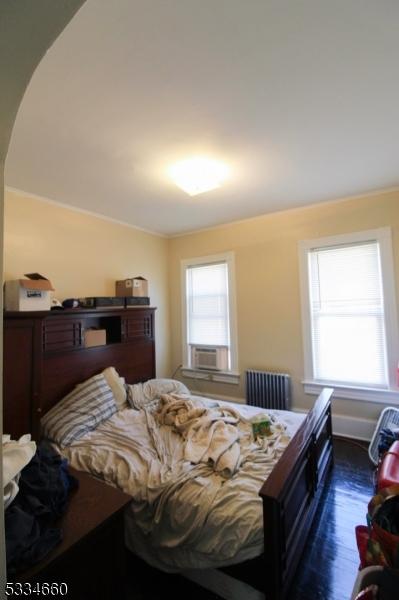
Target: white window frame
column 312, row 386
column 232, row 375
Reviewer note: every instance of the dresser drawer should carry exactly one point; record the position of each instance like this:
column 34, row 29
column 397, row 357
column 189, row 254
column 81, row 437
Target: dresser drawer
column 62, row 335
column 137, row 326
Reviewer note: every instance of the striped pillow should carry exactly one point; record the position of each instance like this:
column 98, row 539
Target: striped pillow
column 88, row 405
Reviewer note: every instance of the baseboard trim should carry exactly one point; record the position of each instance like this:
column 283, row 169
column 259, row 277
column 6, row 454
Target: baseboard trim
column 350, row 427
column 353, row 427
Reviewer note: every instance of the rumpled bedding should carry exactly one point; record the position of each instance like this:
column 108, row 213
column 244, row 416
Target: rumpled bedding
column 141, row 395
column 194, row 472
column 211, row 435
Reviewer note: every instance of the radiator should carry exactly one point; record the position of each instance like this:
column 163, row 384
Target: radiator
column 268, row 390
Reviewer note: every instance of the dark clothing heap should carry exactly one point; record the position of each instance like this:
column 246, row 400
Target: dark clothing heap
column 386, row 438
column 44, row 486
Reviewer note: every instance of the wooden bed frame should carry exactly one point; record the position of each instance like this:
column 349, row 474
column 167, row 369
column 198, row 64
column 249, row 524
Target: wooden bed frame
column 290, row 498
column 291, row 492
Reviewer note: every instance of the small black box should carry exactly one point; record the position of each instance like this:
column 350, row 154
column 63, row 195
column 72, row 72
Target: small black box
column 102, row 302
column 137, row 301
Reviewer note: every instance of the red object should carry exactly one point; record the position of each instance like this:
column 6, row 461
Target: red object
column 362, row 536
column 388, row 471
column 368, row 545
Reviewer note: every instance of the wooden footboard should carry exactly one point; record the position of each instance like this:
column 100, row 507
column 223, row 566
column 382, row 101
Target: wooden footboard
column 290, row 496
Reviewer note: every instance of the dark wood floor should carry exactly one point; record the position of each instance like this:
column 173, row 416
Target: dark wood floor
column 330, row 562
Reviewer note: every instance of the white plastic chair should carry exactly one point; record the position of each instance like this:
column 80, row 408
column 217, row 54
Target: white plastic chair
column 389, row 419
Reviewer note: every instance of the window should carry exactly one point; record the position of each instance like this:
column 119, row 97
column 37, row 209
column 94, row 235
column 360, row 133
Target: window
column 349, row 314
column 209, row 336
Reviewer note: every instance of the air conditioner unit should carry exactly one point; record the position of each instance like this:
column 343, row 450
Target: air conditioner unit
column 213, row 358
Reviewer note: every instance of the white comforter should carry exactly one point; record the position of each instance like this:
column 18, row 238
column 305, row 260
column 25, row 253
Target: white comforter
column 194, row 473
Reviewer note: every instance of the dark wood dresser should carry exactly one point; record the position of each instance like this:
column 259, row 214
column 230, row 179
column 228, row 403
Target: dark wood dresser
column 45, row 356
column 91, row 557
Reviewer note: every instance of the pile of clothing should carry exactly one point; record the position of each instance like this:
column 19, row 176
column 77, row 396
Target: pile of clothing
column 387, row 437
column 36, row 486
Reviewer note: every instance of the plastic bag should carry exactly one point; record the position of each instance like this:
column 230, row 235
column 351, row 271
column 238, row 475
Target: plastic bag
column 261, row 425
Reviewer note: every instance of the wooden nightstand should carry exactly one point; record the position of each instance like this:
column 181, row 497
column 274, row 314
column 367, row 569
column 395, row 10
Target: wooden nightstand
column 91, row 557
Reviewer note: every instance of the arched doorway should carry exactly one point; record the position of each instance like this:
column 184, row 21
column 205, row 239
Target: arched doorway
column 27, row 30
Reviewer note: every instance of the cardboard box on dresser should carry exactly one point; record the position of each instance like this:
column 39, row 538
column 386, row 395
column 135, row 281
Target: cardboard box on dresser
column 28, row 294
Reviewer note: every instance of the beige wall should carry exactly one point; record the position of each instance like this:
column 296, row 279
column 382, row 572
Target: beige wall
column 83, row 255
column 267, row 278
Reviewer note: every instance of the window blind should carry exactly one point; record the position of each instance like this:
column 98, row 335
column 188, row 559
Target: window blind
column 208, row 305
column 347, row 315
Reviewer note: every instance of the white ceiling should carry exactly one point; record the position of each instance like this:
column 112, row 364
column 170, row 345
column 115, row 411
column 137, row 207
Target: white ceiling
column 299, row 97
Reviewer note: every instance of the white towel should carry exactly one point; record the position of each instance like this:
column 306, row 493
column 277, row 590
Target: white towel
column 211, row 434
column 16, row 455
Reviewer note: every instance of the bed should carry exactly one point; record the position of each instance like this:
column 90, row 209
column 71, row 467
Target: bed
column 193, row 469
column 198, row 479
column 55, row 361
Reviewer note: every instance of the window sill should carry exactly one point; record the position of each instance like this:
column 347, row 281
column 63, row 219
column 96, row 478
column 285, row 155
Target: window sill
column 218, row 376
column 353, row 393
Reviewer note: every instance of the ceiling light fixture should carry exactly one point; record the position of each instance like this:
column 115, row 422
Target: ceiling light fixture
column 198, row 174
